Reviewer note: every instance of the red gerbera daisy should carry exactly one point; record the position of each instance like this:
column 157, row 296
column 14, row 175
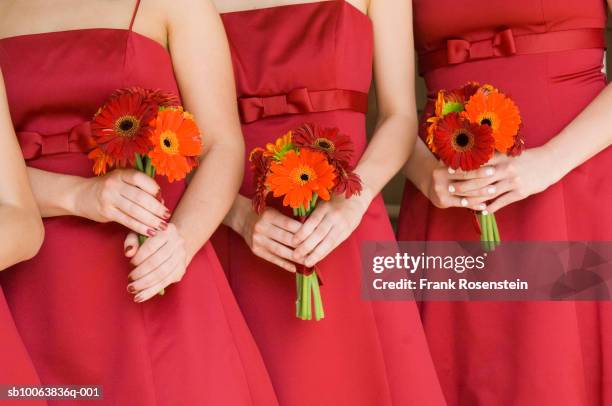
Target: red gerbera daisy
column 121, row 126
column 261, row 166
column 334, row 144
column 158, row 98
column 463, row 144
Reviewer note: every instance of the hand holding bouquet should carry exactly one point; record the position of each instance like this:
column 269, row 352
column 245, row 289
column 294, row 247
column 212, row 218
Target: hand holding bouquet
column 303, row 166
column 147, row 130
column 468, row 126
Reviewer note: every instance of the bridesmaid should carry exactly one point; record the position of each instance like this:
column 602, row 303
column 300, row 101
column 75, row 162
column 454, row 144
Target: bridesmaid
column 71, row 303
column 362, row 353
column 18, row 216
column 559, row 189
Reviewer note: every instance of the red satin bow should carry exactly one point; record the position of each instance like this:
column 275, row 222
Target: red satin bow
column 301, row 101
column 460, row 50
column 35, row 145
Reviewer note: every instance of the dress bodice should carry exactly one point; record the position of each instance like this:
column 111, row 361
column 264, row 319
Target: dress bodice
column 319, row 46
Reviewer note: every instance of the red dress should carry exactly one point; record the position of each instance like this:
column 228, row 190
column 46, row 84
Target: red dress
column 70, row 304
column 547, row 55
column 15, row 365
column 312, row 63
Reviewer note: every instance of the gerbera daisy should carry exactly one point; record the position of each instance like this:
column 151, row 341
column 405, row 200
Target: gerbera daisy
column 121, row 127
column 280, row 147
column 261, row 165
column 463, row 144
column 157, row 97
column 298, row 176
column 176, row 143
column 497, row 111
column 102, row 161
column 337, row 146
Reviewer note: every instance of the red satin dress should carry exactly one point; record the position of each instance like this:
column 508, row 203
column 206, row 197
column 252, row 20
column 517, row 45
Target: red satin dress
column 70, row 304
column 16, row 367
column 547, row 55
column 312, row 63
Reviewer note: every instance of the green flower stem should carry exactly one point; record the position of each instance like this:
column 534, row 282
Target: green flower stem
column 298, row 303
column 318, row 302
column 496, row 235
column 139, row 164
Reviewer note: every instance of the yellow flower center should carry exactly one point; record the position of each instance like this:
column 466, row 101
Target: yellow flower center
column 302, row 175
column 490, row 119
column 325, row 144
column 127, row 126
column 169, row 143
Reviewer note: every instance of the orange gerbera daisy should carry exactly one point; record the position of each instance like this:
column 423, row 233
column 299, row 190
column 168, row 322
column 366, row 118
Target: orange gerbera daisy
column 280, row 147
column 463, row 144
column 298, row 176
column 176, row 143
column 102, row 161
column 497, row 111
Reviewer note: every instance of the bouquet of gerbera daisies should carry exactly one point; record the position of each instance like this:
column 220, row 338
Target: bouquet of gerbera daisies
column 303, row 166
column 147, row 130
column 468, row 126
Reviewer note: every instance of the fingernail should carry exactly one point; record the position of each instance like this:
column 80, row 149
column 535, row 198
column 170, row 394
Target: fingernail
column 451, row 170
column 131, row 289
column 451, row 188
column 491, row 190
column 484, row 212
column 163, row 226
column 482, row 207
column 138, row 298
column 489, row 171
column 151, row 232
column 158, row 196
column 464, row 202
column 128, row 248
column 167, row 215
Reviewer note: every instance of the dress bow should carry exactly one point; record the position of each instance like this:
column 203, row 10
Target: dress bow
column 460, row 50
column 35, row 145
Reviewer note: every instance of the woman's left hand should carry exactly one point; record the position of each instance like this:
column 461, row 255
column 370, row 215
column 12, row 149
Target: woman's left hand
column 159, row 262
column 327, row 227
column 514, row 179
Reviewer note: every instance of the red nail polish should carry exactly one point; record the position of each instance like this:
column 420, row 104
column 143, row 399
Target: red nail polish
column 151, row 232
column 163, row 226
column 158, row 196
column 131, row 289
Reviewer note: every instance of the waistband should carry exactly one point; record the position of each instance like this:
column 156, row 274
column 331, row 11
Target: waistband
column 505, row 43
column 301, row 101
column 35, row 145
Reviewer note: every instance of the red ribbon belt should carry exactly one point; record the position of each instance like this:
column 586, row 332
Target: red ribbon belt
column 505, row 43
column 35, row 145
column 301, row 101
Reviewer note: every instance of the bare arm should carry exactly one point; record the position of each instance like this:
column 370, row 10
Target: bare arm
column 394, row 71
column 202, row 65
column 19, row 215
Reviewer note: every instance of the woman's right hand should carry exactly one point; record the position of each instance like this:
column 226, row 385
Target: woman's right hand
column 449, row 188
column 125, row 196
column 269, row 235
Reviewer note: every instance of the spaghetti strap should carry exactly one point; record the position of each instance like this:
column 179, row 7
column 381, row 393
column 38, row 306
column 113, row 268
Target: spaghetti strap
column 134, row 14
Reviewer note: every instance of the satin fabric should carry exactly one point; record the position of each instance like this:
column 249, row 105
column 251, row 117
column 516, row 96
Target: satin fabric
column 521, row 353
column 15, row 364
column 70, row 304
column 363, row 353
